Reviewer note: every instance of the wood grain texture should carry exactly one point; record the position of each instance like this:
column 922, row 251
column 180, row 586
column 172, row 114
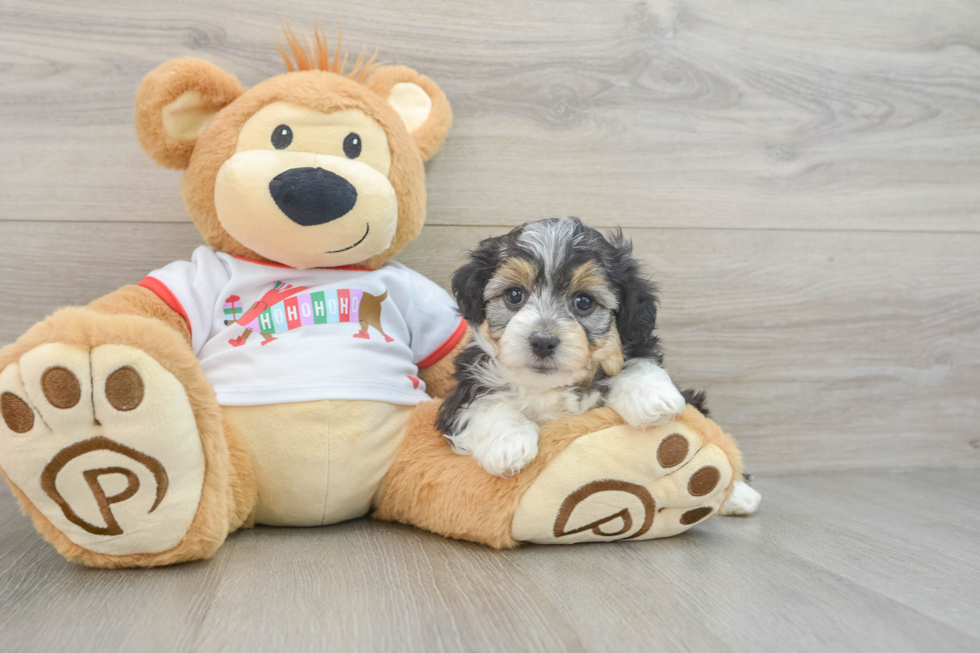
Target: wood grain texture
column 818, row 350
column 869, row 562
column 682, row 113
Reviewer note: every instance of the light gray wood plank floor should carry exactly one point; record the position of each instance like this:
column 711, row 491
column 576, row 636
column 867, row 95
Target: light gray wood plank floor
column 838, row 561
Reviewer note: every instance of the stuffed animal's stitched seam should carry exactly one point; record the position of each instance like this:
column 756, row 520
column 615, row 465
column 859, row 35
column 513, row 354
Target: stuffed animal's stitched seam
column 677, row 469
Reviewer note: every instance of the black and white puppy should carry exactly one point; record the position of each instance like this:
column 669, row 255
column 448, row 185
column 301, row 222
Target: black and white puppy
column 562, row 322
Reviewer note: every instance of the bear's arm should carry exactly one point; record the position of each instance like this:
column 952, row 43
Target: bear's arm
column 439, row 379
column 137, row 300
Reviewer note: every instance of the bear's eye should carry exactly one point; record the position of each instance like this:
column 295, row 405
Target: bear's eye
column 352, row 145
column 514, row 296
column 584, row 304
column 282, row 136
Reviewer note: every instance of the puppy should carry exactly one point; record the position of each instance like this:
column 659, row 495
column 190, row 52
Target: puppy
column 562, row 322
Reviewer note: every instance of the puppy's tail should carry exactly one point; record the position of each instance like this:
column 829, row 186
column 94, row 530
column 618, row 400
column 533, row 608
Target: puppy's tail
column 698, row 399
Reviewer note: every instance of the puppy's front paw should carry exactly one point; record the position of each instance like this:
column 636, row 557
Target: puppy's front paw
column 643, row 406
column 509, row 451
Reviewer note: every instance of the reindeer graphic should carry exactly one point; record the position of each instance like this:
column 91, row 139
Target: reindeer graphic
column 286, row 307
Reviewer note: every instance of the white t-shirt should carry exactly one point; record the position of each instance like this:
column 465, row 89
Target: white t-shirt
column 269, row 334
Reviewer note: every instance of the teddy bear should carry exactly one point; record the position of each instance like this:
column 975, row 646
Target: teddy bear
column 289, row 373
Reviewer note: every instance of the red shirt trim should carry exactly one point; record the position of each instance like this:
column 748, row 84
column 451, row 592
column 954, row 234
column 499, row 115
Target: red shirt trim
column 445, row 347
column 352, row 268
column 160, row 290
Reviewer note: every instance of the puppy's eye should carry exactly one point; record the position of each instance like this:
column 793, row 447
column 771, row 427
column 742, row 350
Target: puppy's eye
column 514, row 296
column 352, row 145
column 282, row 136
column 584, row 304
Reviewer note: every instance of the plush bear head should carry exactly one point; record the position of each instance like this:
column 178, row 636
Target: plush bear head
column 313, row 168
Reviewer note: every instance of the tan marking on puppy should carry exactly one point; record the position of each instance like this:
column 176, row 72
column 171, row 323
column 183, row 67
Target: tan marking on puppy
column 607, row 352
column 589, row 277
column 576, row 347
column 514, row 272
column 493, row 337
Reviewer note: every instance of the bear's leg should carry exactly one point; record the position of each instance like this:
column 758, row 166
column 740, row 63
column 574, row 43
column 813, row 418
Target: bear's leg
column 594, row 479
column 113, row 442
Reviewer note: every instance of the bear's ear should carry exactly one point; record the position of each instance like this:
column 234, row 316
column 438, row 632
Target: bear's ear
column 174, row 104
column 421, row 104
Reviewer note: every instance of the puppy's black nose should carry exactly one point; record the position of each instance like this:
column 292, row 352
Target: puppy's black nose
column 312, row 196
column 544, row 346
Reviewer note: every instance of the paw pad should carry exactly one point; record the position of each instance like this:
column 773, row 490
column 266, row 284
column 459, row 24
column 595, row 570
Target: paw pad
column 103, row 443
column 703, row 481
column 16, row 413
column 61, row 387
column 672, row 451
column 124, row 388
column 623, row 518
column 624, row 483
column 694, row 516
column 49, row 482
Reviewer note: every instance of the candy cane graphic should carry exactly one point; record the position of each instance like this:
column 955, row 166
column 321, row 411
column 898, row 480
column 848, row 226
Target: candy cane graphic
column 285, row 308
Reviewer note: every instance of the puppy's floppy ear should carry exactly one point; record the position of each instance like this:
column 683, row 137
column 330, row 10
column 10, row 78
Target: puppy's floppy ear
column 637, row 315
column 174, row 104
column 470, row 280
column 421, row 104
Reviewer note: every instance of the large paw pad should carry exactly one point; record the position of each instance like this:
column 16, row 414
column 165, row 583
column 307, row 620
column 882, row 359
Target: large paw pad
column 624, row 484
column 104, row 444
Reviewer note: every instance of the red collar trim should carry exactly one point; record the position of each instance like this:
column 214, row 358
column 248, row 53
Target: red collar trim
column 445, row 347
column 351, row 268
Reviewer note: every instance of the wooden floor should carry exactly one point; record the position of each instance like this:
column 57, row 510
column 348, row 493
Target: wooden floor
column 832, row 562
column 803, row 179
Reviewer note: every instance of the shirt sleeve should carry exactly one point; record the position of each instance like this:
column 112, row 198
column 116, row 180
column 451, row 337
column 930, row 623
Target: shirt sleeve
column 433, row 321
column 191, row 289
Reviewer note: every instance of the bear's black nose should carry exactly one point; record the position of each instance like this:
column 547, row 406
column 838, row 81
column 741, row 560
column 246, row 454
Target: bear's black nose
column 312, row 196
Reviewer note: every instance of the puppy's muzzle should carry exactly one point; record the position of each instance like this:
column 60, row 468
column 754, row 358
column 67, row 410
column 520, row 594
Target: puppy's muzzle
column 543, row 346
column 312, row 196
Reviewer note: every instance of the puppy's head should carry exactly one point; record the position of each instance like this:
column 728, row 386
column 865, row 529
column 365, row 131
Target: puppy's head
column 555, row 302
